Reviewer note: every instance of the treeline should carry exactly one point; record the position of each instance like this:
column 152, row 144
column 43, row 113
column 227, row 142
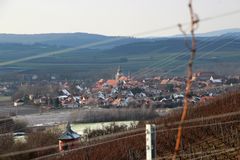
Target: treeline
column 119, row 114
column 108, row 129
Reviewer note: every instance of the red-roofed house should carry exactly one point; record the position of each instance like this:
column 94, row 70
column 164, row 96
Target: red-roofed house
column 112, row 82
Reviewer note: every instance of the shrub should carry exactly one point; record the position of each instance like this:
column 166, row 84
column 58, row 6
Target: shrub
column 6, row 143
column 20, row 126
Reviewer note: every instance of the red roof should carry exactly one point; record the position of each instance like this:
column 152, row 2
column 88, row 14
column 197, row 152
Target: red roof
column 123, row 78
column 112, row 82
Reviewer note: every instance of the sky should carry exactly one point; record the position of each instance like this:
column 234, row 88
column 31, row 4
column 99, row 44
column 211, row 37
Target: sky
column 111, row 17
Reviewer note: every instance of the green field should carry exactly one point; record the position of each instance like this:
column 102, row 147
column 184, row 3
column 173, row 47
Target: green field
column 155, row 63
column 5, row 98
column 140, row 59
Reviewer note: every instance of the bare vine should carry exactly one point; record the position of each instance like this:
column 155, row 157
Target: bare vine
column 192, row 48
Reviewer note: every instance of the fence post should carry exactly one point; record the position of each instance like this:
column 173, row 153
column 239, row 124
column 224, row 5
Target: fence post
column 150, row 142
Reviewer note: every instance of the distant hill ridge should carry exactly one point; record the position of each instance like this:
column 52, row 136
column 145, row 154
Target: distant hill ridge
column 219, row 53
column 78, row 38
column 64, row 39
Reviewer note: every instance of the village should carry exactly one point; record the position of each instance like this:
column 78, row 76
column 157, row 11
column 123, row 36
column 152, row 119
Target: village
column 122, row 91
column 122, row 100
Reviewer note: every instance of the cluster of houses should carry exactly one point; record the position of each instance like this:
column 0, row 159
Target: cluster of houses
column 6, row 88
column 123, row 91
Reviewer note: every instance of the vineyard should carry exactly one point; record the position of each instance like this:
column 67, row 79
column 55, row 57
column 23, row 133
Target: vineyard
column 210, row 132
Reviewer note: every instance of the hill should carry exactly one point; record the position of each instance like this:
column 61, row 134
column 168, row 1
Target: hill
column 219, row 32
column 210, row 132
column 64, row 39
column 159, row 55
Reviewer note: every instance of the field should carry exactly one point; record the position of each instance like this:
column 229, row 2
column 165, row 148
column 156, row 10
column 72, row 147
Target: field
column 7, row 108
column 150, row 64
column 158, row 57
column 5, row 98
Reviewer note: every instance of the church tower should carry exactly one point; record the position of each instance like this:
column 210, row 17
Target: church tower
column 119, row 73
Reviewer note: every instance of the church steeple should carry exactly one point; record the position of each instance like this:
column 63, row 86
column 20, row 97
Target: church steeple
column 129, row 75
column 119, row 70
column 119, row 73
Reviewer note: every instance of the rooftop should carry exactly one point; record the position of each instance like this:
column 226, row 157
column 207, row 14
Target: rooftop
column 69, row 134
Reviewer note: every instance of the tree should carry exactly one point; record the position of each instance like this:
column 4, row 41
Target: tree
column 170, row 87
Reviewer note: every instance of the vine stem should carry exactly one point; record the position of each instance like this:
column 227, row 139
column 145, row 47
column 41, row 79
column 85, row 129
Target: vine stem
column 194, row 22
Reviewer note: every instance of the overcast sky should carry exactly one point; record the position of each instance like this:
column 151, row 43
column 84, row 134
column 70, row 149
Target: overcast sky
column 110, row 17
